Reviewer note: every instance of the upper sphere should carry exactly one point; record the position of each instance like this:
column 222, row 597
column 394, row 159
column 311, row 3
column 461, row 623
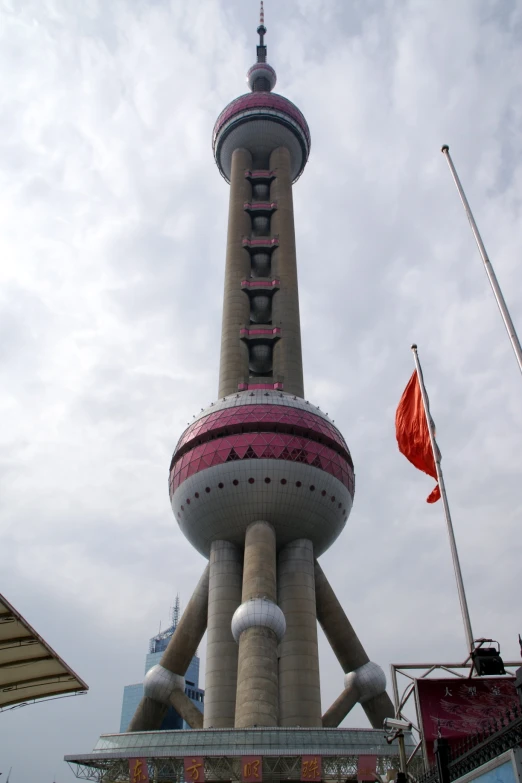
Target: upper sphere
column 261, row 122
column 261, row 71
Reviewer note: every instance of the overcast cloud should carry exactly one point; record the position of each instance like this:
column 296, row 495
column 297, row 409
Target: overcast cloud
column 112, row 243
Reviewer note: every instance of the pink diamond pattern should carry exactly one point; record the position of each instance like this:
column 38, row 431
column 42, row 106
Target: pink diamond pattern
column 263, row 418
column 260, row 445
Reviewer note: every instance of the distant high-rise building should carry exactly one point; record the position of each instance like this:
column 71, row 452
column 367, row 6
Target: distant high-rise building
column 132, row 694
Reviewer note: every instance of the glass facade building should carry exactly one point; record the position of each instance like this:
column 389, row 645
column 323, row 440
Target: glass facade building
column 132, row 694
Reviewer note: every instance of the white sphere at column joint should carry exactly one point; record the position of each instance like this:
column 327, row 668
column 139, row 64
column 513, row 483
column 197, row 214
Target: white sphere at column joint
column 258, row 613
column 368, row 680
column 160, row 683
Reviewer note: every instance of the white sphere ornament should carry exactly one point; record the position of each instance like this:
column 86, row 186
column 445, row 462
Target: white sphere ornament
column 369, row 681
column 262, row 71
column 258, row 613
column 160, row 683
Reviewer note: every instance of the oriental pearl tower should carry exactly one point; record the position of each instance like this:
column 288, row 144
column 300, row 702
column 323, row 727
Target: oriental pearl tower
column 262, row 482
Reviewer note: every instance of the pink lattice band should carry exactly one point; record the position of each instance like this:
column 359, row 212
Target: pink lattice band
column 247, row 386
column 269, row 242
column 258, row 332
column 261, row 100
column 260, row 283
column 260, row 174
column 261, row 418
column 261, row 206
column 261, row 445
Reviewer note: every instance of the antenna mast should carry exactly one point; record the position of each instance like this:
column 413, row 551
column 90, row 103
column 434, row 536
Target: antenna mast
column 261, row 48
column 176, row 612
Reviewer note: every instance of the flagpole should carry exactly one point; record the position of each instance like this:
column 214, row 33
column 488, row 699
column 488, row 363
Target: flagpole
column 501, row 302
column 440, row 478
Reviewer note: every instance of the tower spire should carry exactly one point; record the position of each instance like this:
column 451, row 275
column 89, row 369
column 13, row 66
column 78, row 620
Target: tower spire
column 261, row 48
column 261, row 77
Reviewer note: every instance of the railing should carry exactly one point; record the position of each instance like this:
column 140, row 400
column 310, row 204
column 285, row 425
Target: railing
column 495, row 738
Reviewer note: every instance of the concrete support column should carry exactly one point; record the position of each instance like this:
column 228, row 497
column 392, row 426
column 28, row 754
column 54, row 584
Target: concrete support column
column 148, row 716
column 337, row 628
column 257, row 696
column 299, row 688
column 224, row 597
column 174, row 661
column 187, row 709
column 335, row 714
column 363, row 677
column 379, row 708
column 236, row 305
column 287, row 360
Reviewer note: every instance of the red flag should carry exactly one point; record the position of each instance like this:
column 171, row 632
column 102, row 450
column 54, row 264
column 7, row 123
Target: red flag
column 412, row 432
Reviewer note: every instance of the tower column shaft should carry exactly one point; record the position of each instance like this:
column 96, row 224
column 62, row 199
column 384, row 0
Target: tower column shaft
column 299, row 687
column 224, row 596
column 257, row 691
column 236, row 306
column 287, row 359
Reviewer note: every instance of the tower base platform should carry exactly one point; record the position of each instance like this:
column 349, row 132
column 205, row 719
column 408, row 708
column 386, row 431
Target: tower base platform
column 281, row 754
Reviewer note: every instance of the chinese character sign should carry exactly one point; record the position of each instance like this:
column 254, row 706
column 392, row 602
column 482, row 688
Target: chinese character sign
column 311, row 768
column 138, row 772
column 458, row 707
column 251, row 769
column 194, row 769
column 366, row 768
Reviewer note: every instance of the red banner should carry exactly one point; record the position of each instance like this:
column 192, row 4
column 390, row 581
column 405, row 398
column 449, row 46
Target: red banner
column 366, row 768
column 138, row 772
column 311, row 768
column 251, row 769
column 456, row 707
column 194, row 769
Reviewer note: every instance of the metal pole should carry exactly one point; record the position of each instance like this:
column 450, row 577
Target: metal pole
column 440, row 478
column 402, row 747
column 504, row 312
column 395, row 687
column 402, row 754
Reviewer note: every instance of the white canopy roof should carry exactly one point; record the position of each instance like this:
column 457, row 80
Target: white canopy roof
column 29, row 668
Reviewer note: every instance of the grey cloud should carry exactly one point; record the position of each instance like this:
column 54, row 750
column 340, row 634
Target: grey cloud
column 112, row 241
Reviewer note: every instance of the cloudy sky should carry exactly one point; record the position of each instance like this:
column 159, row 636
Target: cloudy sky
column 112, row 240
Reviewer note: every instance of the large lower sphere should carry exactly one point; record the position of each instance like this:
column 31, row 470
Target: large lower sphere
column 261, row 455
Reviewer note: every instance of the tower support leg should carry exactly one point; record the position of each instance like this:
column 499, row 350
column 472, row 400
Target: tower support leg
column 176, row 659
column 257, row 691
column 224, row 597
column 299, row 687
column 351, row 655
column 187, row 709
column 335, row 714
